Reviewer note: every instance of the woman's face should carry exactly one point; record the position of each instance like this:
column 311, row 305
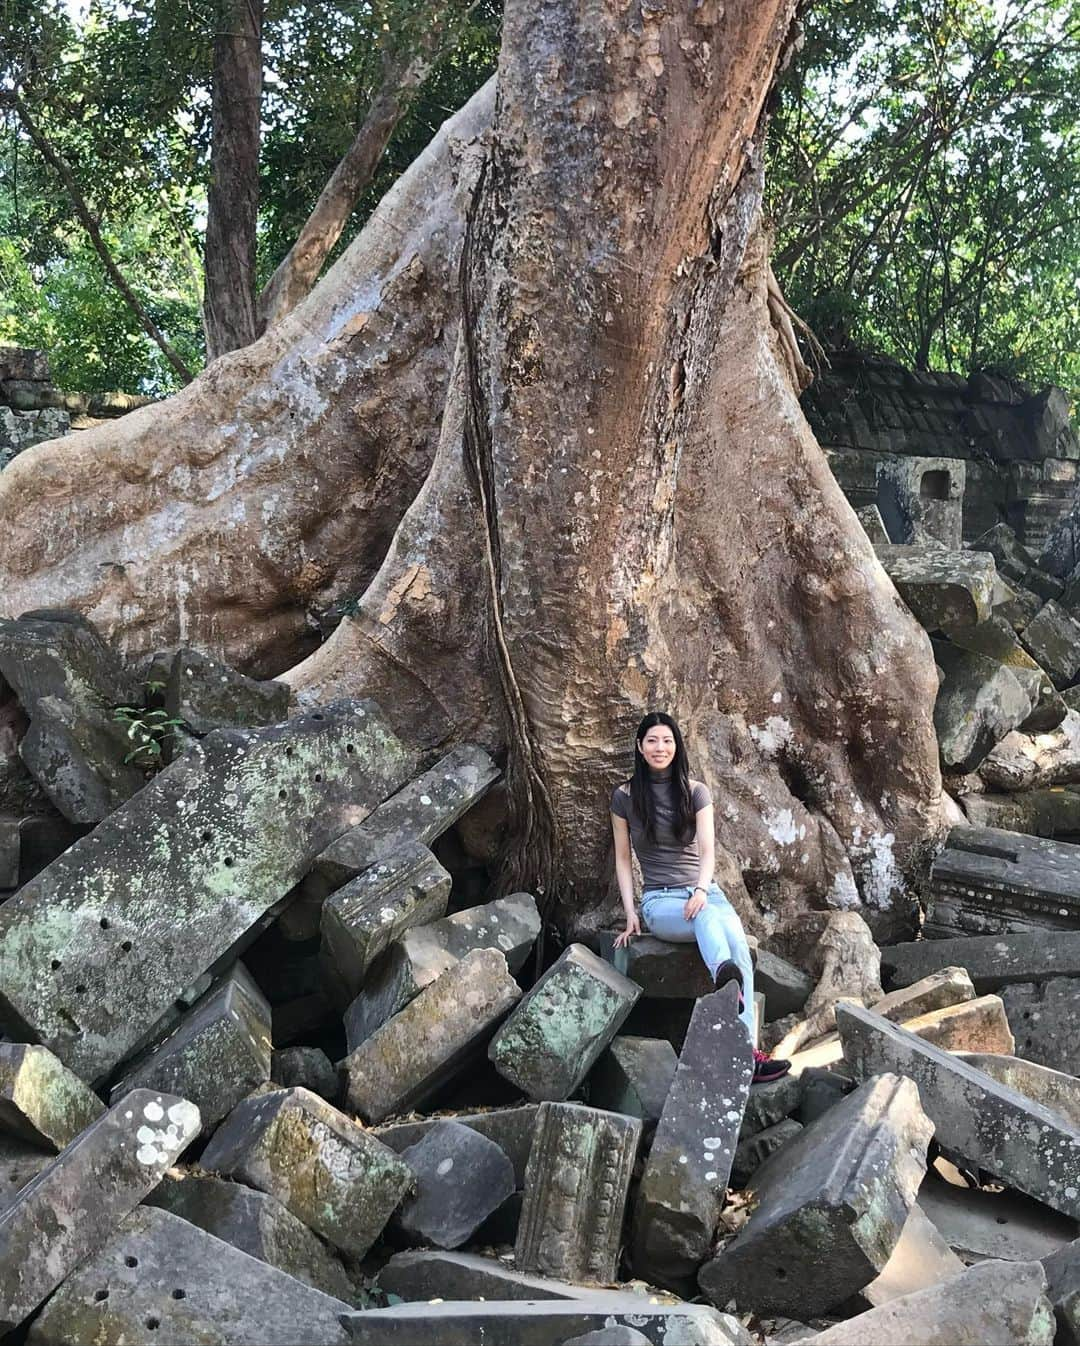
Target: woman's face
column 658, row 747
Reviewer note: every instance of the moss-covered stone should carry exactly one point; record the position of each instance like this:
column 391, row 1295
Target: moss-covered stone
column 41, row 1101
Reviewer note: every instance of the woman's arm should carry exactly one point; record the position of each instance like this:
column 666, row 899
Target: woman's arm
column 624, row 875
column 706, row 845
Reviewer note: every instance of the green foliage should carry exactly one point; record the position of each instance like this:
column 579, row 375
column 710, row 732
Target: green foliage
column 924, row 179
column 150, row 732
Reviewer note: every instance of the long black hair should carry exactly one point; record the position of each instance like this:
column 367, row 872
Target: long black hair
column 641, row 795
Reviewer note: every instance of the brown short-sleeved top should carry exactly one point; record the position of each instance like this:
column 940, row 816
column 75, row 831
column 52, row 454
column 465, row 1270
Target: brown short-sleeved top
column 670, row 863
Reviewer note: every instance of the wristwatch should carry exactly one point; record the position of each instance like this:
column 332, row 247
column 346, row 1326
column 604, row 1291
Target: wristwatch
column 698, row 889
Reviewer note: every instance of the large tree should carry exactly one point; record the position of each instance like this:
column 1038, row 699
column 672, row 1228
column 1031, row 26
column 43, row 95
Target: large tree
column 538, row 428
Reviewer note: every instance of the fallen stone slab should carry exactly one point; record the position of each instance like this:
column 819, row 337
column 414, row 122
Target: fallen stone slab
column 256, row 1223
column 1015, row 562
column 67, row 1212
column 786, row 987
column 576, row 1186
column 1062, row 1269
column 208, row 695
column 422, row 1046
column 995, row 639
column 988, row 882
column 829, row 1207
column 555, row 1035
column 978, row 1025
column 510, row 924
column 426, row 1274
column 106, row 938
column 979, row 701
column 1052, row 637
column 988, row 1124
column 633, row 1077
column 545, row 1323
column 161, row 1279
column 219, row 1053
column 461, row 1178
column 422, row 811
column 661, row 969
column 306, row 1068
column 938, row 990
column 686, row 1174
column 10, row 845
column 752, row 1151
column 41, row 1101
column 821, row 1090
column 1053, row 1088
column 920, row 1259
column 68, row 680
column 407, row 887
column 330, row 1173
column 768, row 1104
column 941, row 587
column 512, row 1129
column 19, row 1162
column 991, row 961
column 1003, row 1225
column 1042, row 813
column 994, row 1304
column 1043, row 1016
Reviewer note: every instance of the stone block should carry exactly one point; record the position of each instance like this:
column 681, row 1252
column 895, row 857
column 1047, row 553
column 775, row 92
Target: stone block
column 1052, row 637
column 256, row 1223
column 821, row 1090
column 106, row 938
column 306, row 1068
column 461, row 1179
column 975, row 1026
column 453, row 1323
column 1054, row 1089
column 937, row 990
column 423, row 953
column 512, row 1129
column 330, row 1173
column 633, row 1077
column 661, row 969
column 768, row 1104
column 828, row 1208
column 553, row 1038
column 752, row 1151
column 41, row 1101
column 787, row 988
column 66, row 1214
column 995, row 639
column 979, row 701
column 941, row 587
column 207, row 695
column 977, row 1223
column 576, row 1186
column 160, row 1278
column 993, row 1304
column 68, row 681
column 407, row 887
column 422, row 811
column 421, row 1047
column 42, row 837
column 989, row 882
column 9, row 852
column 984, row 1122
column 686, row 1175
column 1042, row 813
column 1043, row 1015
column 920, row 1259
column 991, row 961
column 921, row 500
column 1015, row 562
column 873, row 524
column 219, row 1053
column 1015, row 604
column 657, row 1018
column 426, row 1274
column 19, row 1162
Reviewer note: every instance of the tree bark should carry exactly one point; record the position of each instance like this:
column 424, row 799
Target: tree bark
column 233, row 197
column 625, row 508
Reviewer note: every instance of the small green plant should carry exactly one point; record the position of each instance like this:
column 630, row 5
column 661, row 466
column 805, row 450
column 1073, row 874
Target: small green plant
column 149, row 728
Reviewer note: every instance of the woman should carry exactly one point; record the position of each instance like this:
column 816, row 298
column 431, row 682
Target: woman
column 669, row 820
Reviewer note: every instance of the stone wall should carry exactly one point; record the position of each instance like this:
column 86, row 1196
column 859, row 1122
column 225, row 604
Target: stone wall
column 32, row 410
column 1019, row 450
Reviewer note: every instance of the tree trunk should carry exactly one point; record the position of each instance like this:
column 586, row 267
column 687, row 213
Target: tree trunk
column 233, row 198
column 626, row 508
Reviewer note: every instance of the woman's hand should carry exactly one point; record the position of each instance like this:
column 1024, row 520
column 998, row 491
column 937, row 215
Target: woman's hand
column 694, row 903
column 633, row 927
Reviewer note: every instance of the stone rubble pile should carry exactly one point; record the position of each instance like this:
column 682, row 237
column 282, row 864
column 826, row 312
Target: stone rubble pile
column 277, row 1069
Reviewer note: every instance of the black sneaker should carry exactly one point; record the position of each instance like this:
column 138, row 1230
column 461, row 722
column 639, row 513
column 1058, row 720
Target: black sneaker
column 728, row 971
column 766, row 1069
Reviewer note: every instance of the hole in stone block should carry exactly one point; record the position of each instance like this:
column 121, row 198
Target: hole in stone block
column 179, row 1294
column 228, row 862
column 207, row 836
column 55, row 964
column 1000, row 1219
column 104, row 923
column 153, row 1324
column 80, row 989
column 781, row 1274
column 99, row 1295
column 289, row 752
column 350, row 747
column 126, row 946
column 131, row 1261
column 316, row 716
column 318, row 775
column 934, row 485
column 283, row 794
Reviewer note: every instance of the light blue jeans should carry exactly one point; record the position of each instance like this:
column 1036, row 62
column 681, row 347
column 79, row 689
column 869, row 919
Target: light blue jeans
column 717, row 929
